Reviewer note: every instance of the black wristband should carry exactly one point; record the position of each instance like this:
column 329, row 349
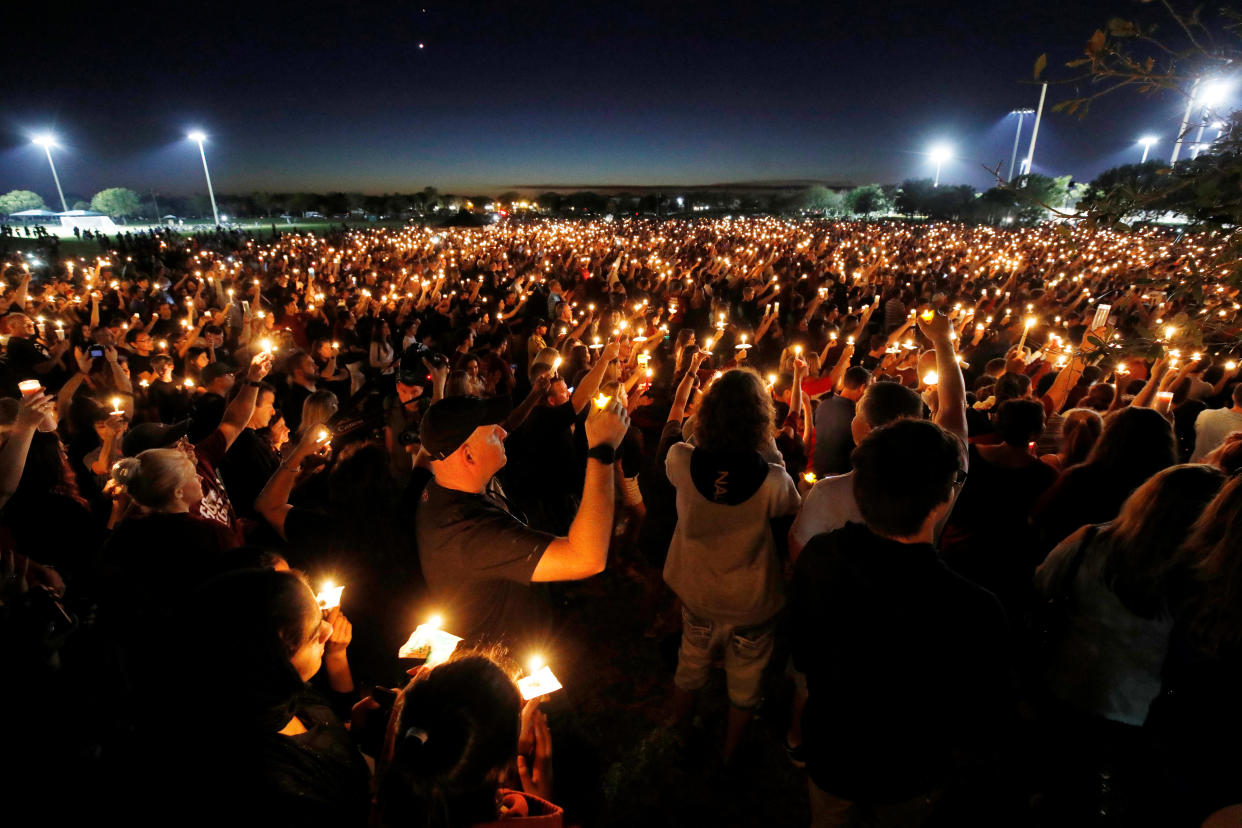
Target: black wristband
column 604, row 453
column 253, row 383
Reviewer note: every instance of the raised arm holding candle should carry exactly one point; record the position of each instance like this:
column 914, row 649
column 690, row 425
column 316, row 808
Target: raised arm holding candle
column 476, row 556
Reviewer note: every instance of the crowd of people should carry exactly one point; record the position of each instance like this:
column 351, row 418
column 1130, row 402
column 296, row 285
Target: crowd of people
column 960, row 503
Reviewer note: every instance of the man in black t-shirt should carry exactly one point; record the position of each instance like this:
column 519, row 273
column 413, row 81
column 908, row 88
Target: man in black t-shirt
column 27, row 356
column 302, row 376
column 479, row 558
column 251, row 461
column 139, row 348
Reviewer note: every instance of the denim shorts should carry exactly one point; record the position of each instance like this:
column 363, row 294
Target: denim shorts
column 747, row 651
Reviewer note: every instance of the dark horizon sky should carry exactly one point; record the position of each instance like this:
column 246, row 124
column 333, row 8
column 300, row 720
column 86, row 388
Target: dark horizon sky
column 340, row 97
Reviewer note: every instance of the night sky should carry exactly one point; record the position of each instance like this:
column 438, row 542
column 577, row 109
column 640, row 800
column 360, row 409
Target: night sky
column 339, row 96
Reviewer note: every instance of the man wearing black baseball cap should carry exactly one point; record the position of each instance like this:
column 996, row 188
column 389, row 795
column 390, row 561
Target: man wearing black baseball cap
column 478, row 557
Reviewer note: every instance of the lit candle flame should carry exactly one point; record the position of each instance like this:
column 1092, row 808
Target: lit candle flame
column 329, row 596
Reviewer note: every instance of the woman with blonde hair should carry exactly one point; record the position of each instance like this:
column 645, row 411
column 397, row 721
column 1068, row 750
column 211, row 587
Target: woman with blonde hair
column 317, row 409
column 1117, row 583
column 723, row 561
column 1197, row 718
column 158, row 550
column 1080, row 429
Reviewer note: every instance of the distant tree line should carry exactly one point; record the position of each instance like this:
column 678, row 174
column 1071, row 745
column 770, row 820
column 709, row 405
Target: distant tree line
column 1121, row 192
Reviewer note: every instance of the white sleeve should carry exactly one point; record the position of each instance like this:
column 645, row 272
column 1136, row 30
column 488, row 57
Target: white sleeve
column 786, row 499
column 677, row 463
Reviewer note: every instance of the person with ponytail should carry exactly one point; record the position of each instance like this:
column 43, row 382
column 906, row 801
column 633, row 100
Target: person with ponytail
column 157, row 543
column 452, row 738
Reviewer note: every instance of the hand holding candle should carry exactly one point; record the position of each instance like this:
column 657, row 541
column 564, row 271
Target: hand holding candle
column 430, row 643
column 540, row 682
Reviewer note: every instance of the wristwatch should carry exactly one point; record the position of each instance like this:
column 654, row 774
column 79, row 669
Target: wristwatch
column 604, row 453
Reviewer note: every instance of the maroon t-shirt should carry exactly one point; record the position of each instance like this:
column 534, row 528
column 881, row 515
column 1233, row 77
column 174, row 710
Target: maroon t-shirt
column 215, row 505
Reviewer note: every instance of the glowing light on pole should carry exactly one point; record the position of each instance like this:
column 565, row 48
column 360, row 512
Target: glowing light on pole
column 199, row 137
column 47, row 142
column 1013, row 156
column 1147, row 141
column 940, row 154
column 1212, row 96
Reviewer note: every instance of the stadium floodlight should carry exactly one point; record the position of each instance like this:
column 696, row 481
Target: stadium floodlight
column 198, row 137
column 1147, row 141
column 939, row 154
column 1214, row 94
column 47, row 141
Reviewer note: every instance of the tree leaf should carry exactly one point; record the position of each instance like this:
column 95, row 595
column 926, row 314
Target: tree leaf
column 1096, row 44
column 1121, row 28
column 1041, row 63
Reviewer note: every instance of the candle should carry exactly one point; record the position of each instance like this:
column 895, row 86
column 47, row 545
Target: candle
column 931, row 378
column 29, row 387
column 1229, row 366
column 430, row 643
column 809, row 477
column 928, row 315
column 116, row 405
column 324, row 435
column 540, row 682
column 602, row 400
column 329, row 596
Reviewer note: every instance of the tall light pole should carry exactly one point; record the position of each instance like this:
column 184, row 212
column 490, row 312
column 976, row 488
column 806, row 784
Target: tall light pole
column 1013, row 156
column 198, row 137
column 1147, row 141
column 1181, row 133
column 47, row 142
column 1213, row 95
column 1039, row 114
column 940, row 153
